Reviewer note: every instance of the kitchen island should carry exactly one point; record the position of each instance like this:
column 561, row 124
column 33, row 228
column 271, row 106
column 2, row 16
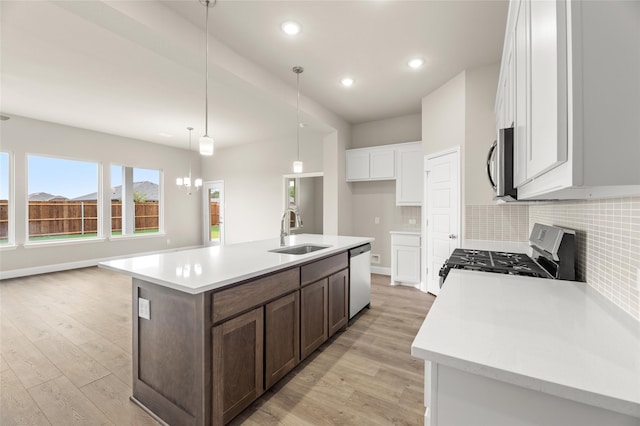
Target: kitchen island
column 215, row 327
column 508, row 350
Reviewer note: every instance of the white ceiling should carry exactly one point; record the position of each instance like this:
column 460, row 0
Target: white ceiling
column 136, row 68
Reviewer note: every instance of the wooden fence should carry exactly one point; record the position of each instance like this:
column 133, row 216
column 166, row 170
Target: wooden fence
column 51, row 218
column 215, row 213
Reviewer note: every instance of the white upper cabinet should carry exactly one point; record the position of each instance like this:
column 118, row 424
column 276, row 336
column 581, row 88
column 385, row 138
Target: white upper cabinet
column 576, row 96
column 410, row 159
column 548, row 71
column 519, row 42
column 376, row 163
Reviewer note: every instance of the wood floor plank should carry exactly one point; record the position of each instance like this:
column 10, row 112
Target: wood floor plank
column 65, row 405
column 112, row 396
column 363, row 376
column 17, row 407
column 76, row 365
column 112, row 357
column 28, row 363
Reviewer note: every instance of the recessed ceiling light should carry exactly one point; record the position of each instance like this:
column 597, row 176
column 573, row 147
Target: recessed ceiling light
column 165, row 135
column 347, row 81
column 291, row 28
column 416, row 63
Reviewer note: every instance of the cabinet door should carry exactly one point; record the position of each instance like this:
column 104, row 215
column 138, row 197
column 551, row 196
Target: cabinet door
column 382, row 164
column 313, row 316
column 282, row 337
column 406, row 264
column 409, row 180
column 521, row 119
column 338, row 302
column 357, row 164
column 548, row 95
column 238, row 358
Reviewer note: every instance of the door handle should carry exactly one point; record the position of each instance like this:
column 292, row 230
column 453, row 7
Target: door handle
column 452, row 236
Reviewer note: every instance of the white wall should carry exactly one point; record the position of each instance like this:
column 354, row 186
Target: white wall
column 481, row 87
column 253, row 183
column 22, row 136
column 378, row 199
column 406, row 128
column 310, row 204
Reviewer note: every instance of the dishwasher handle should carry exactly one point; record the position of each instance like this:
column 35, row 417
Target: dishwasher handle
column 359, row 250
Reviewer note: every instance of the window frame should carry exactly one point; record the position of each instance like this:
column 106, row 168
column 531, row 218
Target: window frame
column 100, row 236
column 161, row 228
column 11, row 204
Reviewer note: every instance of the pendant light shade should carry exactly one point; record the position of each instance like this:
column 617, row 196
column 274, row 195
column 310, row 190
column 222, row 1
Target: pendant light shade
column 206, row 141
column 297, row 165
column 206, row 145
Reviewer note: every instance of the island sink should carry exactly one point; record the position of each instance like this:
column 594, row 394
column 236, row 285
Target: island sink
column 299, row 249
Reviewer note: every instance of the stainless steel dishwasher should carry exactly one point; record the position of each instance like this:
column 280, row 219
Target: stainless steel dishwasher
column 359, row 279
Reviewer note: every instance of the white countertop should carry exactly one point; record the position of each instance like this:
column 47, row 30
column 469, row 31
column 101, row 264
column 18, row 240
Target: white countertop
column 558, row 337
column 198, row 270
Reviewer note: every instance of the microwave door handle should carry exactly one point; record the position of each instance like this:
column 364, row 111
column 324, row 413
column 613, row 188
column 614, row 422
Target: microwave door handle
column 489, row 171
column 500, row 165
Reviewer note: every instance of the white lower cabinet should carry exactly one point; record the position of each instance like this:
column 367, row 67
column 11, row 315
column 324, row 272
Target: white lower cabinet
column 405, row 258
column 455, row 397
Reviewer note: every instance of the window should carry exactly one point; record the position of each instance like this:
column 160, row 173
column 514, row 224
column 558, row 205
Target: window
column 293, row 187
column 4, row 197
column 63, row 199
column 135, row 200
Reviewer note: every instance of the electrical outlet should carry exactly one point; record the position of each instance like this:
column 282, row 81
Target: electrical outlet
column 376, row 220
column 412, row 221
column 168, row 241
column 144, row 308
column 375, row 259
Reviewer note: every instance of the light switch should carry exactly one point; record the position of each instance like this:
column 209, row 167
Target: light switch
column 412, row 221
column 144, row 308
column 376, row 220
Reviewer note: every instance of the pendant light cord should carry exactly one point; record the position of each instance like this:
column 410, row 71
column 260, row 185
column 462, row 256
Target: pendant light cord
column 189, row 129
column 298, row 113
column 206, row 81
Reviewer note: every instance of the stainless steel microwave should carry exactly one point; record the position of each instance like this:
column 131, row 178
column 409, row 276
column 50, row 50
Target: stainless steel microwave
column 500, row 166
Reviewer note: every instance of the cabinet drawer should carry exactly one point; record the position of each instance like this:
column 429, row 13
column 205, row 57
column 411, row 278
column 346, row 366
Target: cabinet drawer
column 405, row 240
column 229, row 302
column 323, row 268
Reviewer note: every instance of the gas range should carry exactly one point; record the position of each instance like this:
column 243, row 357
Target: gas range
column 554, row 257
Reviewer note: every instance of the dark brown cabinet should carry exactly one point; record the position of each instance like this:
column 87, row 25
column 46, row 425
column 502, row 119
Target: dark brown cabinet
column 338, row 301
column 314, row 329
column 237, row 364
column 281, row 337
column 203, row 358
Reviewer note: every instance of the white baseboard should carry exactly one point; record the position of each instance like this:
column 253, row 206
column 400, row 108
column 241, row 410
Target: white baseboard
column 381, row 270
column 45, row 269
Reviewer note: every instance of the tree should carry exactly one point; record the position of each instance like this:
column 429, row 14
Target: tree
column 139, row 197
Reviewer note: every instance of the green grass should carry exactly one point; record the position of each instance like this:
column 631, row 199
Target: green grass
column 215, row 232
column 80, row 236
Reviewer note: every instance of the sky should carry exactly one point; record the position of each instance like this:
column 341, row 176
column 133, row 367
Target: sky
column 68, row 178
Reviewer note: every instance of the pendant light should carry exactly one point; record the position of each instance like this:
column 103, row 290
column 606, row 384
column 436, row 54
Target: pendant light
column 206, row 141
column 297, row 165
column 186, row 182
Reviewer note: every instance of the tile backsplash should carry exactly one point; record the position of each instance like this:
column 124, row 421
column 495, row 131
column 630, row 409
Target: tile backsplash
column 501, row 222
column 608, row 244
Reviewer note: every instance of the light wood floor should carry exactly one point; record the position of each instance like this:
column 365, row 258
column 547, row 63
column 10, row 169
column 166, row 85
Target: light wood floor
column 65, row 359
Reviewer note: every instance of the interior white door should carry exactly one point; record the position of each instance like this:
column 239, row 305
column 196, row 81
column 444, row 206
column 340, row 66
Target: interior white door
column 213, row 213
column 442, row 200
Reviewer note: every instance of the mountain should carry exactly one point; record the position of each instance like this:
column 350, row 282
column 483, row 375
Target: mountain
column 149, row 189
column 45, row 196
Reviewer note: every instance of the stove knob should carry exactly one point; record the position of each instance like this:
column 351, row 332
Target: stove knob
column 452, row 236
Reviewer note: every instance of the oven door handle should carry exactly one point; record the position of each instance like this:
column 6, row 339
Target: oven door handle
column 489, row 158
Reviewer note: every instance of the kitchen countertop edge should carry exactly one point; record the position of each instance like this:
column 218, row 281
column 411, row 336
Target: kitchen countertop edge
column 292, row 261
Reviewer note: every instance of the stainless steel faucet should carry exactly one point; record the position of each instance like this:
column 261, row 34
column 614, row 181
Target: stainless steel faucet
column 286, row 218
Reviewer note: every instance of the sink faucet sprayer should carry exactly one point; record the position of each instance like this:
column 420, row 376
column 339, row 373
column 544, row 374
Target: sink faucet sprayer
column 297, row 223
